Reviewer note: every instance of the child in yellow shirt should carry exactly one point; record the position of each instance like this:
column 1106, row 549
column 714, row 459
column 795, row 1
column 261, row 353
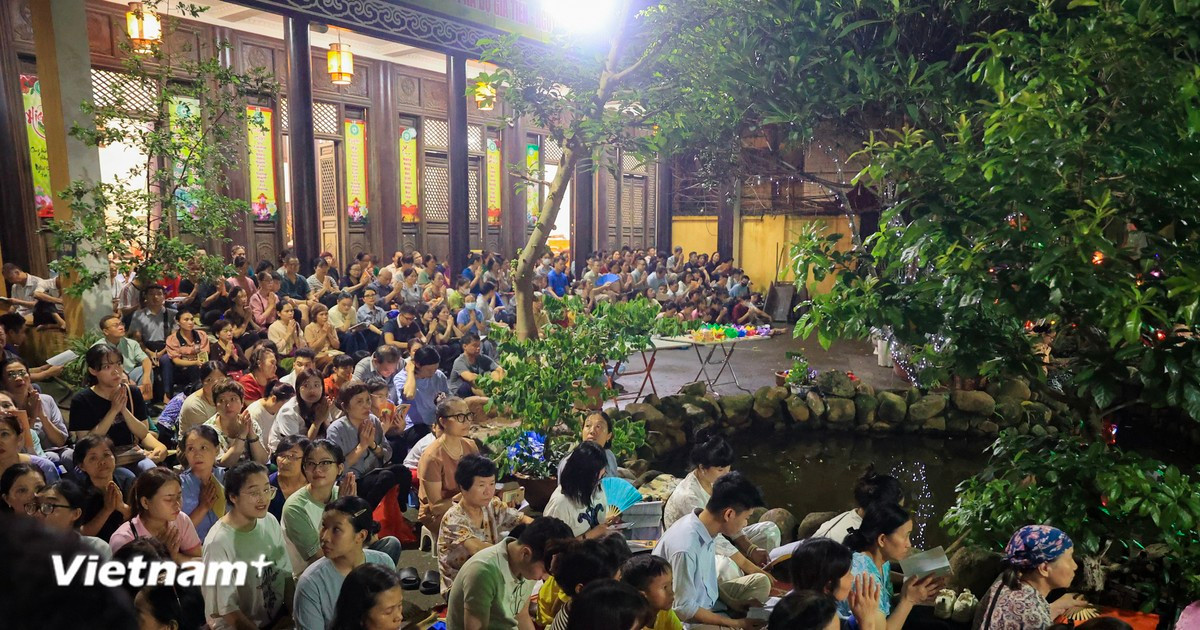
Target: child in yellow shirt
column 652, row 576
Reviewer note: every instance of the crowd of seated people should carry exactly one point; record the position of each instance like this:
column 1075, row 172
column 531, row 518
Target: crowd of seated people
column 286, row 409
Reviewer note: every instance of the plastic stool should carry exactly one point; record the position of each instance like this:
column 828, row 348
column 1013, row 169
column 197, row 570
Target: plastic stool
column 428, row 535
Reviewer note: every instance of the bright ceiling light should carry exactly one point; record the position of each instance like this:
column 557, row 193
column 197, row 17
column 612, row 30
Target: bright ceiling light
column 580, row 16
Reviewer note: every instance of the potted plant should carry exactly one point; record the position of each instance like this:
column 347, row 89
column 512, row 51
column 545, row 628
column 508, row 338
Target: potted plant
column 553, row 380
column 799, row 376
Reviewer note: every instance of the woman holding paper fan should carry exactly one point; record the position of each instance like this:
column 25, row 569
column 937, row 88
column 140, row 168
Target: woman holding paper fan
column 713, row 457
column 579, row 500
column 883, row 538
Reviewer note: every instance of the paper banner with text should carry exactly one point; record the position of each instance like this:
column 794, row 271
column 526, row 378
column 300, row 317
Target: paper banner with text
column 533, row 166
column 409, row 212
column 31, row 97
column 356, row 169
column 493, row 181
column 261, row 139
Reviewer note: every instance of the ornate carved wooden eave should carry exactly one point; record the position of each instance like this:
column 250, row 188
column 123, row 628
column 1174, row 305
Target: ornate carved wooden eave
column 391, row 20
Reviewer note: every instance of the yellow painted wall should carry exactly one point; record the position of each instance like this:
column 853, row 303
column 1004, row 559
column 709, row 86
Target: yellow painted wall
column 694, row 234
column 765, row 243
column 766, row 247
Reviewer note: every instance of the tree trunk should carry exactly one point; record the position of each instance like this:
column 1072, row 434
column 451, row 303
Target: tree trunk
column 532, row 252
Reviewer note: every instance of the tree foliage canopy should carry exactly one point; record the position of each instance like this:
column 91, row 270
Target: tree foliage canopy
column 1034, row 160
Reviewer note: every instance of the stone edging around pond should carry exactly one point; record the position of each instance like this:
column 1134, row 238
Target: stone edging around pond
column 838, row 403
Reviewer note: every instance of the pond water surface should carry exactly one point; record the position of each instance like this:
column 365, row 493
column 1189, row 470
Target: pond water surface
column 816, row 472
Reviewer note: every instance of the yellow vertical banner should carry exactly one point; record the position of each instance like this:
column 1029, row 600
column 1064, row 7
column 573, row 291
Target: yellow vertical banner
column 356, row 169
column 261, row 140
column 409, row 212
column 533, row 166
column 31, row 97
column 493, row 181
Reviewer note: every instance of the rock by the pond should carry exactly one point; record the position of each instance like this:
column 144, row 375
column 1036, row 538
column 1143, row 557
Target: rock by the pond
column 1023, row 428
column 912, row 395
column 784, row 520
column 695, row 414
column 660, row 488
column 768, row 401
column 797, row 409
column 927, row 407
column 989, row 428
column 835, row 383
column 978, row 403
column 816, row 405
column 638, row 467
column 736, row 407
column 974, row 569
column 957, row 423
column 891, row 407
column 841, row 410
column 1036, row 412
column 1038, row 430
column 672, row 405
column 811, row 523
column 1009, row 412
column 756, row 515
column 695, row 388
column 646, row 477
column 643, row 412
column 863, row 387
column 864, row 408
column 1011, row 388
column 936, row 424
column 651, row 399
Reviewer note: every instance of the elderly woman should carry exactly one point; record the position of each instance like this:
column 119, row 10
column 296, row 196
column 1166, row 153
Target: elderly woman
column 477, row 521
column 1037, row 560
column 188, row 350
column 41, row 411
column 239, row 436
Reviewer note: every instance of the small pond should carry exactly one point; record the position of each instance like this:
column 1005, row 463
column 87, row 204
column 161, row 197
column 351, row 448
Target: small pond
column 815, row 472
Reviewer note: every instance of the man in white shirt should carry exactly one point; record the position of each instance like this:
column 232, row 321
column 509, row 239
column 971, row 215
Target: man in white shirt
column 689, row 546
column 25, row 291
column 304, row 359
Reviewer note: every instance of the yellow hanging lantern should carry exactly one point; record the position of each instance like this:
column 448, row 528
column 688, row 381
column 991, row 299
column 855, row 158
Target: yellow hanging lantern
column 341, row 63
column 143, row 27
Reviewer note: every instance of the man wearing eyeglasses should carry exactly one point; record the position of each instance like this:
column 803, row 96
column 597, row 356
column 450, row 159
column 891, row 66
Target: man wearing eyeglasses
column 134, row 361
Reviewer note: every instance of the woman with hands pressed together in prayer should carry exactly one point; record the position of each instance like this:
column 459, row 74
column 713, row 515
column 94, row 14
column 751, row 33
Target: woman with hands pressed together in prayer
column 109, row 406
column 239, row 436
column 105, row 509
column 202, row 488
column 157, row 499
column 361, row 436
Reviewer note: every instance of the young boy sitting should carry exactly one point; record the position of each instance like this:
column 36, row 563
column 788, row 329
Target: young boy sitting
column 652, row 576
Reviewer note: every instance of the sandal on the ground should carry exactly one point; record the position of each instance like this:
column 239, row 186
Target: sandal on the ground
column 409, row 579
column 431, row 584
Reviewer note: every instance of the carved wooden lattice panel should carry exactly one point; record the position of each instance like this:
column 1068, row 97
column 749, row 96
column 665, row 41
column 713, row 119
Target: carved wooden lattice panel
column 638, row 206
column 116, row 89
column 435, row 181
column 551, row 152
column 325, row 119
column 475, row 138
column 630, row 164
column 652, row 208
column 473, row 195
column 612, row 206
column 283, row 114
column 627, row 209
column 437, row 133
column 327, row 195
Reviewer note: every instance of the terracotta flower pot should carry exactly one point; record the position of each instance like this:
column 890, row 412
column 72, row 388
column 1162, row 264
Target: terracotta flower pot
column 781, row 378
column 537, row 491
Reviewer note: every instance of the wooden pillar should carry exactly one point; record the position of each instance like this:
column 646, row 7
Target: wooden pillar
column 386, row 176
column 64, row 66
column 301, row 143
column 18, row 240
column 662, row 227
column 513, row 222
column 456, row 154
column 600, row 211
column 583, row 223
column 725, row 212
